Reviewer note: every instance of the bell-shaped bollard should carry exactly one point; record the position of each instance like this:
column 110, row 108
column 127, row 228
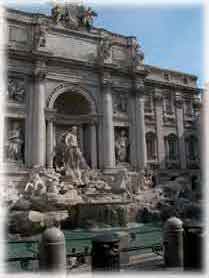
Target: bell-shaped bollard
column 173, row 243
column 105, row 253
column 52, row 251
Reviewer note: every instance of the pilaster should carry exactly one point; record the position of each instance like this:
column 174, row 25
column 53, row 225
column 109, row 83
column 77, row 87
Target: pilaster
column 108, row 128
column 50, row 144
column 159, row 126
column 141, row 152
column 180, row 129
column 93, row 146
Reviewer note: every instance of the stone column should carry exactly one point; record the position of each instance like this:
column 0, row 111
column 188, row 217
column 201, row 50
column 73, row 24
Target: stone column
column 159, row 126
column 50, row 144
column 93, row 136
column 140, row 128
column 180, row 130
column 29, row 122
column 132, row 130
column 39, row 124
column 108, row 128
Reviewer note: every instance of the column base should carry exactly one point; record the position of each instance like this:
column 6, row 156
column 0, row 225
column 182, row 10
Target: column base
column 110, row 170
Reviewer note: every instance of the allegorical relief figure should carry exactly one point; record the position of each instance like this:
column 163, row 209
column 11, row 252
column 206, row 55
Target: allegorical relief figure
column 15, row 143
column 16, row 90
column 120, row 103
column 121, row 147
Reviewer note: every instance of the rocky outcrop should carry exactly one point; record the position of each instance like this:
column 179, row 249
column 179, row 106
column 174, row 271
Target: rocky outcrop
column 175, row 198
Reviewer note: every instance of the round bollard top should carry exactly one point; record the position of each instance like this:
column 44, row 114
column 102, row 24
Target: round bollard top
column 107, row 238
column 53, row 234
column 173, row 224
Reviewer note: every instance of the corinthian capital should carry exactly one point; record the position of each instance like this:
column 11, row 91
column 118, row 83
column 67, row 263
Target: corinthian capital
column 178, row 100
column 158, row 95
column 40, row 70
column 106, row 80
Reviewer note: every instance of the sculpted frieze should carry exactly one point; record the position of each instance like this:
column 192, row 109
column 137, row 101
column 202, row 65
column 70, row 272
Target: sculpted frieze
column 120, row 103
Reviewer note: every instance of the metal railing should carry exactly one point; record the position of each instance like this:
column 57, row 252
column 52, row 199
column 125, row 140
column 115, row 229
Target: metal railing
column 28, row 261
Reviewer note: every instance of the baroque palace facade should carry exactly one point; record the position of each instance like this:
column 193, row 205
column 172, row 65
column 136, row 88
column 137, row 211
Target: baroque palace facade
column 64, row 73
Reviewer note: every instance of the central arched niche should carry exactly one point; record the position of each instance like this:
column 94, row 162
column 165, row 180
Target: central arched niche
column 72, row 104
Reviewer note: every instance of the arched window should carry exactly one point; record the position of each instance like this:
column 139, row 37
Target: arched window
column 172, row 147
column 151, row 145
column 191, row 147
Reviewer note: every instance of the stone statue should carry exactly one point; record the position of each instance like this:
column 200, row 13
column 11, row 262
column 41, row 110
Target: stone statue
column 148, row 179
column 15, row 143
column 58, row 13
column 35, row 186
column 73, row 16
column 121, row 147
column 72, row 156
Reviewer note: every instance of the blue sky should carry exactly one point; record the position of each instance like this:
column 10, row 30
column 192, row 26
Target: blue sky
column 170, row 36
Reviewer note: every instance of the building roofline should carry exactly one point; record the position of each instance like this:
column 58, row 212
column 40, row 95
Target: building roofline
column 31, row 14
column 170, row 71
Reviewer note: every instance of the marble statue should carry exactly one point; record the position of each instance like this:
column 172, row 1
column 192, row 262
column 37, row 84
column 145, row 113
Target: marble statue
column 35, row 185
column 121, row 147
column 73, row 156
column 148, row 179
column 15, row 143
column 73, row 16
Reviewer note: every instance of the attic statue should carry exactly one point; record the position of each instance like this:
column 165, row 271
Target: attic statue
column 73, row 16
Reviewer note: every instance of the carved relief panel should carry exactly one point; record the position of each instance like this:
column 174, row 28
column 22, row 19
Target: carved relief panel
column 16, row 90
column 120, row 104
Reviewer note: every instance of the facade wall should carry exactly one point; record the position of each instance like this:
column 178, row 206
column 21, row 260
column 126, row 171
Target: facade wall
column 146, row 108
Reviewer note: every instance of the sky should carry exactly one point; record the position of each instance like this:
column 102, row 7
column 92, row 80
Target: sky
column 171, row 36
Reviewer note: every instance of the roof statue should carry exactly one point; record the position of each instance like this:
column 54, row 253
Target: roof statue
column 73, row 15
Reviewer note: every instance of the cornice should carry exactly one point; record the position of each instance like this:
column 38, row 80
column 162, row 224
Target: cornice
column 173, row 86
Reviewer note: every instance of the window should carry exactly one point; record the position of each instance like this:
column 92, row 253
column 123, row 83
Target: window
column 191, row 147
column 151, row 145
column 168, row 104
column 166, row 76
column 171, row 147
column 185, row 80
column 188, row 107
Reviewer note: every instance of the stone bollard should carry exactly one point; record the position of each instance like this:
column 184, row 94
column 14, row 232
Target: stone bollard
column 124, row 243
column 173, row 243
column 105, row 253
column 193, row 246
column 52, row 252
